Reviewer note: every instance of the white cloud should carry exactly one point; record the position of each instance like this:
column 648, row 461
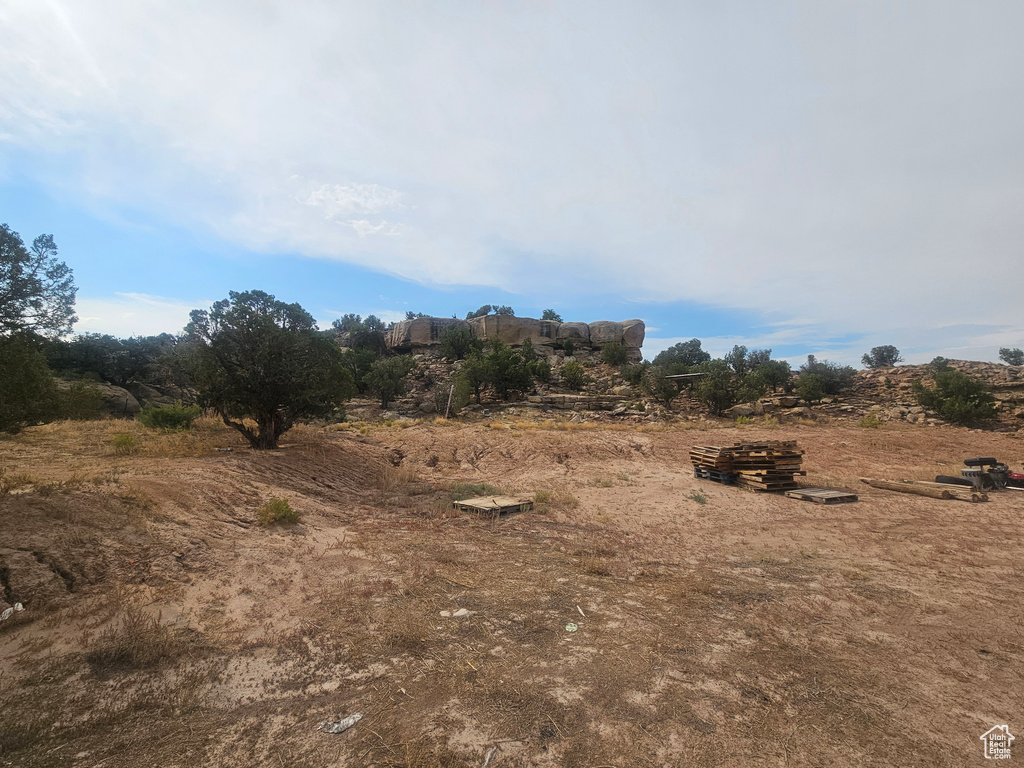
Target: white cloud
column 133, row 314
column 838, row 168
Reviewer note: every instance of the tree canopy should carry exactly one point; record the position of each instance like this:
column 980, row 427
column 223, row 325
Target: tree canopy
column 37, row 290
column 685, row 353
column 259, row 358
column 885, row 356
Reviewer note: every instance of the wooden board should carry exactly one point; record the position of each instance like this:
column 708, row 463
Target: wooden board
column 495, row 505
column 822, row 496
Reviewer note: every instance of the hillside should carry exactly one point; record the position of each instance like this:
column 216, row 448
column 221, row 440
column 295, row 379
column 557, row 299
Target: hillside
column 165, row 626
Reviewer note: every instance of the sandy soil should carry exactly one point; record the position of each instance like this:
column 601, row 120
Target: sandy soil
column 164, row 626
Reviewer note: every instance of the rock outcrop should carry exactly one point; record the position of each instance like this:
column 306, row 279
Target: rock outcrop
column 408, row 335
column 420, row 335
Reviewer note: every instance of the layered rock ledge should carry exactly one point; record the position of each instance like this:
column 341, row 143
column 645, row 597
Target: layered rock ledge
column 419, row 336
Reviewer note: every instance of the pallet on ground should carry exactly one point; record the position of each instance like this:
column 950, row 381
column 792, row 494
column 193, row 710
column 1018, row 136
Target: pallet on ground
column 706, row 473
column 822, row 495
column 495, row 505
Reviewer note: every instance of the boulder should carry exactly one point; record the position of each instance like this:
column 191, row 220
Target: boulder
column 574, row 331
column 744, row 409
column 605, row 332
column 633, row 332
column 421, row 332
column 152, row 395
column 118, row 402
column 115, row 401
column 513, row 330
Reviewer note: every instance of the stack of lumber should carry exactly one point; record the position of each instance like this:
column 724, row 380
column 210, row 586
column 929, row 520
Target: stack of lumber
column 768, row 466
column 712, row 463
column 929, row 489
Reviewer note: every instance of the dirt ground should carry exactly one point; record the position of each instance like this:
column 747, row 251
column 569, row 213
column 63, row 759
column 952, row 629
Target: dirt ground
column 715, row 626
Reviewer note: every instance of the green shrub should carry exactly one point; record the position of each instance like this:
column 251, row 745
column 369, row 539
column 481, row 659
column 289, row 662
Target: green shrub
column 28, row 392
column 80, row 401
column 569, row 347
column 634, row 374
column 1011, row 356
column 457, row 342
column 124, row 444
column 508, row 372
column 277, row 511
column 939, row 363
column 169, row 418
column 776, row 373
column 957, row 397
column 527, row 352
column 574, row 375
column 870, row 422
column 540, row 370
column 687, row 353
column 754, row 385
column 614, row 353
column 834, row 378
column 809, row 387
column 452, row 400
column 386, row 378
column 885, row 356
column 715, row 389
column 657, row 386
column 475, row 373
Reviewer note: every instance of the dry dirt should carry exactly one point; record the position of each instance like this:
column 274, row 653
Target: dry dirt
column 164, row 626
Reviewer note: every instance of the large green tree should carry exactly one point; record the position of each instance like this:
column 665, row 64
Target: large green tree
column 258, row 358
column 37, row 290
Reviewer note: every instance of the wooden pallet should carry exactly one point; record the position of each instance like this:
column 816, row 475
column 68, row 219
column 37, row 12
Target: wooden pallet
column 495, row 505
column 822, row 496
column 715, row 475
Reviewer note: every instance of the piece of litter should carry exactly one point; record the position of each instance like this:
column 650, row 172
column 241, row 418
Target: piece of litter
column 570, row 627
column 488, row 755
column 340, row 726
column 8, row 612
column 446, row 614
column 460, row 613
column 581, row 612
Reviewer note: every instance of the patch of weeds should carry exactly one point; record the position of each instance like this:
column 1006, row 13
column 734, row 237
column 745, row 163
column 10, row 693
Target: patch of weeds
column 601, row 482
column 699, row 497
column 136, row 641
column 10, row 482
column 542, row 501
column 277, row 511
column 393, row 478
column 809, row 553
column 741, row 420
column 870, row 422
column 124, row 444
column 169, row 418
column 462, row 491
column 770, row 422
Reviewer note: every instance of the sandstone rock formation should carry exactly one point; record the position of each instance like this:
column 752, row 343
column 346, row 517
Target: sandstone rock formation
column 423, row 333
column 407, row 335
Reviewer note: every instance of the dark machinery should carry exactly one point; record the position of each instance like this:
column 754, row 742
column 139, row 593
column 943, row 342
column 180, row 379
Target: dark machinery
column 986, row 472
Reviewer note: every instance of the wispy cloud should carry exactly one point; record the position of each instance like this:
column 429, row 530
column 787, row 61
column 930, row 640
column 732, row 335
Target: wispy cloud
column 134, row 314
column 816, row 164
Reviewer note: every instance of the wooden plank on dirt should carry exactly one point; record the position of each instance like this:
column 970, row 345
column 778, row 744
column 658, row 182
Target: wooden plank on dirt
column 495, row 505
column 822, row 495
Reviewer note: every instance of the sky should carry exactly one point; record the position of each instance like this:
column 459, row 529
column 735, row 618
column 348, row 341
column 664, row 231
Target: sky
column 813, row 177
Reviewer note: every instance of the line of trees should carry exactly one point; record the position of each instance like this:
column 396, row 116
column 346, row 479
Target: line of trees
column 262, row 364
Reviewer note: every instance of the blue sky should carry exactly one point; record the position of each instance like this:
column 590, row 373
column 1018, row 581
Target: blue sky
column 814, row 178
